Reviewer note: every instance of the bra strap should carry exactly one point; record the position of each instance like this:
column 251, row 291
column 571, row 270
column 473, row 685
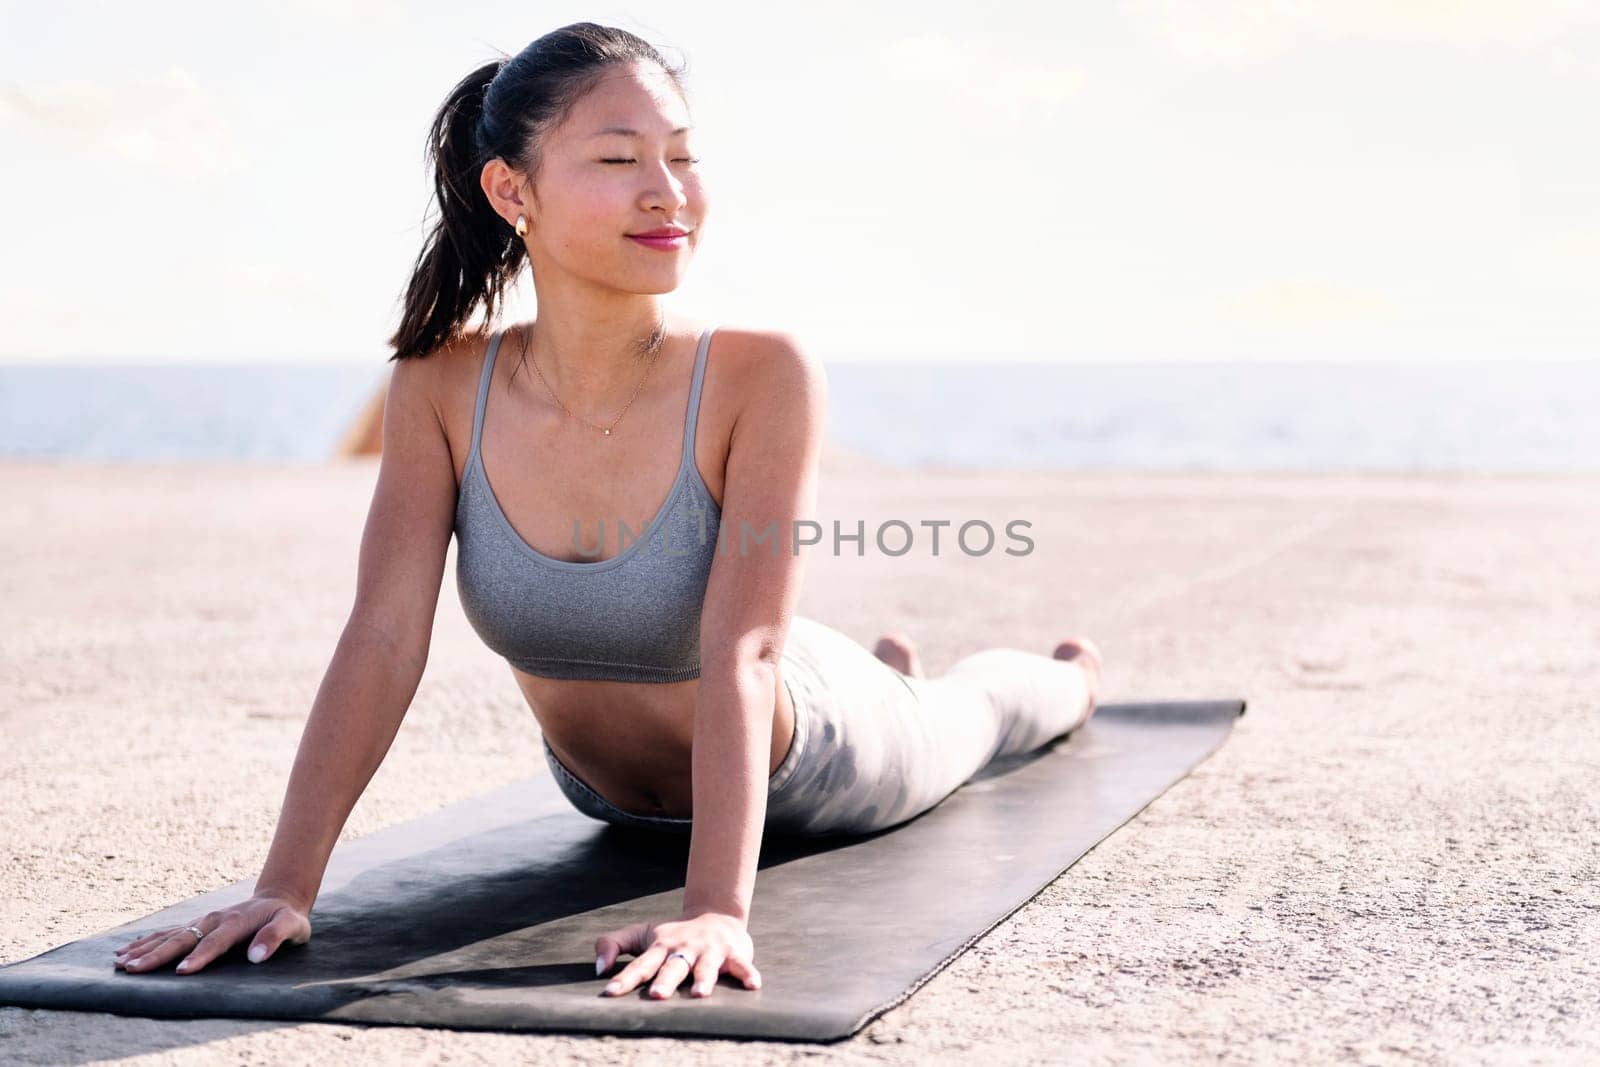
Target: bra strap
column 483, row 394
column 696, row 383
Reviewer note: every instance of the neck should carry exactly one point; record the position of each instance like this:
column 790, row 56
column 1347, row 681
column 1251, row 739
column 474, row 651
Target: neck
column 591, row 363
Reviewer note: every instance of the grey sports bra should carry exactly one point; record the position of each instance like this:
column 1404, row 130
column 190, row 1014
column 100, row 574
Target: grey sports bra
column 634, row 617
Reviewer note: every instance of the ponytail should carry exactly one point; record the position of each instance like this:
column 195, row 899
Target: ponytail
column 467, row 257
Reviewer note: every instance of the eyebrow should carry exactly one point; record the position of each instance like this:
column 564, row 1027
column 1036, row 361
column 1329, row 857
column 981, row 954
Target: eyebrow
column 626, row 132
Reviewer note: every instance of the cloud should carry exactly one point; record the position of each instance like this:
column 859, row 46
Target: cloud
column 1241, row 31
column 170, row 122
column 1303, row 304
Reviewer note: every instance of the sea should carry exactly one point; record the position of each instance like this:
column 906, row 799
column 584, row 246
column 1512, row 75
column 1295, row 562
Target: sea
column 1455, row 416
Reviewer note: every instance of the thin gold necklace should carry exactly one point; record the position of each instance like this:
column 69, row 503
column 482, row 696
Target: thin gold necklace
column 606, row 429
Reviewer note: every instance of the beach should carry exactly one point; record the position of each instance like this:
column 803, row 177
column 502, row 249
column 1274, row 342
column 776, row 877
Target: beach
column 1391, row 860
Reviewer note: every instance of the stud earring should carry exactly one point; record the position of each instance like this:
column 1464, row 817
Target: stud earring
column 522, row 226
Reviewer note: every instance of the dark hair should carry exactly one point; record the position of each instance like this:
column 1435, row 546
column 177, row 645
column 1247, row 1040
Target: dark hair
column 503, row 109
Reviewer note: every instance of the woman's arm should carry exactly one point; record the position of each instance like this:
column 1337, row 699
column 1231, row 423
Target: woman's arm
column 364, row 695
column 383, row 650
column 751, row 595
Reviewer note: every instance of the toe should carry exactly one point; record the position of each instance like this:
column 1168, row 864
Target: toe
column 1073, row 647
column 898, row 651
column 1087, row 655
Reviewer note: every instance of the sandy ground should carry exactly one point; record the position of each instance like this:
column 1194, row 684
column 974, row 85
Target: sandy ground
column 1393, row 859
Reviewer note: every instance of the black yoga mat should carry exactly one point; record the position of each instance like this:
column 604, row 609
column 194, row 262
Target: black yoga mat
column 483, row 915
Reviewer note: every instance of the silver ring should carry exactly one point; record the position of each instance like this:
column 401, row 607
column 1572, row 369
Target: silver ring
column 199, row 934
column 686, row 959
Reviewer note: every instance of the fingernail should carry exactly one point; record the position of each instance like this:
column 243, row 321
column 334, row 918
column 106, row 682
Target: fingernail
column 183, row 965
column 134, row 962
column 599, row 965
column 612, row 987
column 258, row 953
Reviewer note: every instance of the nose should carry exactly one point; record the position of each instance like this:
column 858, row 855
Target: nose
column 665, row 190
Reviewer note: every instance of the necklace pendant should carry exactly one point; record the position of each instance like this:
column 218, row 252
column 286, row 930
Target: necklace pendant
column 608, row 431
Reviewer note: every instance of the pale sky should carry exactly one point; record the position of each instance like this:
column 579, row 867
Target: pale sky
column 1150, row 179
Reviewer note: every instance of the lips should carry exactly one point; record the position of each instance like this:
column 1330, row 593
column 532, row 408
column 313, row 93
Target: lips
column 665, row 239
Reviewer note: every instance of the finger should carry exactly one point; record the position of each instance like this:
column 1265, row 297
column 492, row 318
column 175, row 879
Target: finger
column 159, row 948
column 284, row 925
column 137, row 946
column 745, row 972
column 634, row 974
column 140, row 945
column 270, row 918
column 637, row 972
column 669, row 977
column 161, row 952
column 629, row 939
column 214, row 944
column 706, row 969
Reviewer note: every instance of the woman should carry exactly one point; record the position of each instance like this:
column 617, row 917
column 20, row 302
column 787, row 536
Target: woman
column 667, row 672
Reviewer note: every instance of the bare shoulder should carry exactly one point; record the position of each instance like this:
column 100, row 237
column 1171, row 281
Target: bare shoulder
column 760, row 362
column 779, row 398
column 445, row 381
column 444, row 369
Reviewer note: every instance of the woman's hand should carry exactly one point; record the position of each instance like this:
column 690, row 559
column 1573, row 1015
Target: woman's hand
column 273, row 919
column 713, row 941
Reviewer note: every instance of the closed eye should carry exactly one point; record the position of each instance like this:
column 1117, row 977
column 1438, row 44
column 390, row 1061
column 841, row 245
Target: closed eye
column 694, row 160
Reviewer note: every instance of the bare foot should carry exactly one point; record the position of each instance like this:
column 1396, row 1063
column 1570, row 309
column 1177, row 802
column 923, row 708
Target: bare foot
column 898, row 651
column 1087, row 655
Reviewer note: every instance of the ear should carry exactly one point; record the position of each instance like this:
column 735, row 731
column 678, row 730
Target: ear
column 505, row 188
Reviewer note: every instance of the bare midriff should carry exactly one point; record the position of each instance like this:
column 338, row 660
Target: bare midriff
column 633, row 742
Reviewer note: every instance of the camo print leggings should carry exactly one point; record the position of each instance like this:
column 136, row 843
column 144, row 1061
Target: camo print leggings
column 872, row 747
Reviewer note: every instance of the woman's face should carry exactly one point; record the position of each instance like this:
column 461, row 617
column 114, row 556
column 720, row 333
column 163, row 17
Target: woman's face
column 599, row 183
